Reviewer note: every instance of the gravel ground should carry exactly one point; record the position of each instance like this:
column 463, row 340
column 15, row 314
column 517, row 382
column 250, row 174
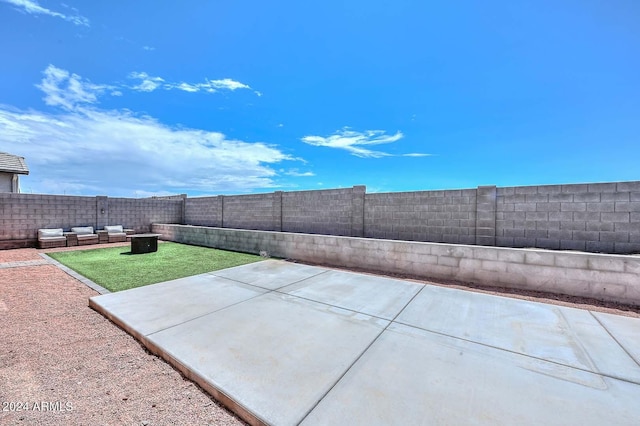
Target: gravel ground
column 78, row 367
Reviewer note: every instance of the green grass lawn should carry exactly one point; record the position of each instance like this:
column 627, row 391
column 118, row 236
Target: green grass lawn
column 116, row 269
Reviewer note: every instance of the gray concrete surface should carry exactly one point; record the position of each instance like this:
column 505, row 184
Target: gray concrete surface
column 369, row 294
column 412, row 376
column 277, row 355
column 567, row 336
column 156, row 307
column 286, row 344
column 270, row 274
column 624, row 330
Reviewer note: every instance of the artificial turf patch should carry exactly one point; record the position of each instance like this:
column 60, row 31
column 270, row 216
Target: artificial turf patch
column 116, row 269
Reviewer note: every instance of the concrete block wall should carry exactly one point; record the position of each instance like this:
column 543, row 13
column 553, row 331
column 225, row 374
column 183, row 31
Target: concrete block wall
column 319, row 212
column 168, row 197
column 486, row 215
column 21, row 215
column 206, row 211
column 601, row 217
column 358, row 195
column 254, row 211
column 435, row 216
column 603, row 277
column 139, row 214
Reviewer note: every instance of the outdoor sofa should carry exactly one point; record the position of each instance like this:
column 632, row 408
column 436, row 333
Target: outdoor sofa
column 85, row 235
column 113, row 234
column 50, row 238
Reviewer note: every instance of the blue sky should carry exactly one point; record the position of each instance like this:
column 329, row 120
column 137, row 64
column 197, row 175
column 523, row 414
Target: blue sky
column 145, row 98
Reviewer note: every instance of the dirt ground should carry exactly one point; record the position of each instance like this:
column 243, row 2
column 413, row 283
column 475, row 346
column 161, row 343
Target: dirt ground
column 63, row 363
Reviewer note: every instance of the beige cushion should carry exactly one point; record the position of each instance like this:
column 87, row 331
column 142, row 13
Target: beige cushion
column 117, row 234
column 44, row 233
column 82, row 230
column 87, row 236
column 52, row 238
column 113, row 228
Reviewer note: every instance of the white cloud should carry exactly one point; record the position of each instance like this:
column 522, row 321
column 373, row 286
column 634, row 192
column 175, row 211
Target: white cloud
column 79, row 91
column 87, row 150
column 67, row 90
column 209, row 86
column 354, row 142
column 147, row 82
column 32, row 7
column 186, row 87
column 148, row 48
column 227, row 83
column 297, row 173
column 115, row 152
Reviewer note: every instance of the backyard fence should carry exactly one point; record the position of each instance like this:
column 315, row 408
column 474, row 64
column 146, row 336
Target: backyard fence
column 599, row 217
column 23, row 214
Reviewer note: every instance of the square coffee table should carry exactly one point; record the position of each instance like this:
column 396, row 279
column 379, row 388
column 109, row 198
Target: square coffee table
column 144, row 243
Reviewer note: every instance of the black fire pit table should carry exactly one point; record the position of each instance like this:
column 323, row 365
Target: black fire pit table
column 144, row 243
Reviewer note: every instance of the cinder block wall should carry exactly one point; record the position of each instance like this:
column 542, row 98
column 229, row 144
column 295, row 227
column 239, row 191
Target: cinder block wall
column 205, row 211
column 139, row 214
column 318, row 212
column 602, row 217
column 21, row 215
column 254, row 211
column 436, row 216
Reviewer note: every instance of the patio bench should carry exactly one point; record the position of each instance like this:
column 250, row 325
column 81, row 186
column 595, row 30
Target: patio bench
column 51, row 238
column 85, row 235
column 114, row 234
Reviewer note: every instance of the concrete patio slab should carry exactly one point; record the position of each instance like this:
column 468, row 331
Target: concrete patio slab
column 283, row 343
column 377, row 296
column 148, row 309
column 276, row 355
column 625, row 330
column 270, row 274
column 411, row 376
column 567, row 336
